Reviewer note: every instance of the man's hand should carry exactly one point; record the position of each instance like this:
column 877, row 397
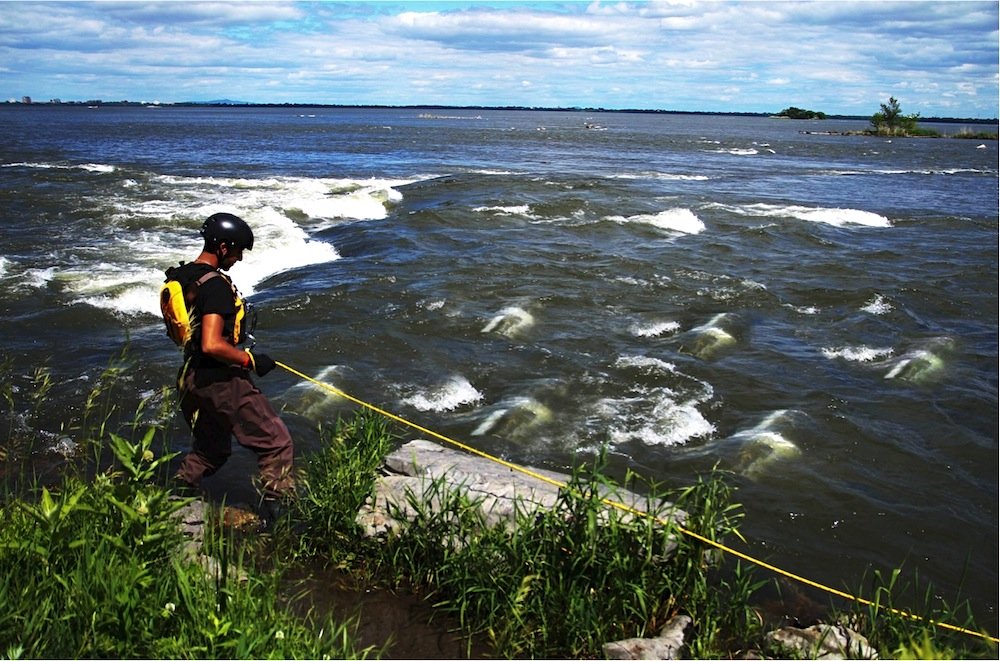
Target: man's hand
column 260, row 363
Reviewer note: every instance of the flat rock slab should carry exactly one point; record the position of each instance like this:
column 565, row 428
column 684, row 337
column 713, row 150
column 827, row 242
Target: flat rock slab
column 501, row 491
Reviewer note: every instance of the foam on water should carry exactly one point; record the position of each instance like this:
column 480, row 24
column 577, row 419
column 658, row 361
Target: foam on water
column 654, row 329
column 100, row 168
column 656, row 415
column 514, row 418
column 312, row 401
column 448, row 396
column 858, row 354
column 736, row 151
column 878, row 305
column 646, row 363
column 662, row 176
column 510, row 321
column 319, row 200
column 713, row 338
column 682, row 221
column 669, row 422
column 516, row 210
column 172, row 214
column 925, row 363
column 826, row 215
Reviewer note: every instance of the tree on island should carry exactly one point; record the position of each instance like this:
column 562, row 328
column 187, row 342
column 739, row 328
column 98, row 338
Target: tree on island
column 798, row 113
column 890, row 120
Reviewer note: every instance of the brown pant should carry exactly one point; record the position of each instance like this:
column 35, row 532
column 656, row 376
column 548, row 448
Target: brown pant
column 229, row 406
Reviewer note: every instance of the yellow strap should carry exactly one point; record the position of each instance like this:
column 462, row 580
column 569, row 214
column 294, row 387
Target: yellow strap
column 631, row 510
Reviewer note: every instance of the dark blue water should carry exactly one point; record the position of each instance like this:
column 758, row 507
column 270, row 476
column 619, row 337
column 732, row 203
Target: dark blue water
column 815, row 313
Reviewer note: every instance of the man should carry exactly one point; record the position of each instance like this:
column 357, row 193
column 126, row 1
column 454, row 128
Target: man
column 218, row 398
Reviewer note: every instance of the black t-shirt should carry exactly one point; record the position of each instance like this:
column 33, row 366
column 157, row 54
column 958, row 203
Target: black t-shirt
column 214, row 296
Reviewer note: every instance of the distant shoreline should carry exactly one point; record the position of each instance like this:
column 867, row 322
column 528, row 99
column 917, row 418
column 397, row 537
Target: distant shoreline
column 239, row 104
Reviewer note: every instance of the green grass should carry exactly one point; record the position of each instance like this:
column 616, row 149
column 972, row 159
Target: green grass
column 334, row 483
column 90, row 565
column 94, row 569
column 563, row 581
column 901, row 620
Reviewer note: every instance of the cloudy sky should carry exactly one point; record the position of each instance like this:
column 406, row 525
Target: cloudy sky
column 938, row 58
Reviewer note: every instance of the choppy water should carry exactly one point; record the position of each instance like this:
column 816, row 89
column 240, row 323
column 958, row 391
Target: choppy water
column 817, row 313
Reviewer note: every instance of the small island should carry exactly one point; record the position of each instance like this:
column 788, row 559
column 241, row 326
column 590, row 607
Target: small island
column 798, row 113
column 889, row 121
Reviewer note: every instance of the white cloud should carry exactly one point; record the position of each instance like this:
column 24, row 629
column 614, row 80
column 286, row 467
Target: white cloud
column 838, row 57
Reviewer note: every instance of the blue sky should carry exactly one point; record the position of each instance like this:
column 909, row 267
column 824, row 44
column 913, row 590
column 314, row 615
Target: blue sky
column 938, row 58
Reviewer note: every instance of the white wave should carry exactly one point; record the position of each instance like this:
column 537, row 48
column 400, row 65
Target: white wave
column 431, row 306
column 98, row 167
column 766, row 444
column 736, row 151
column 282, row 211
column 878, row 305
column 858, row 354
column 830, row 216
column 312, row 401
column 4, row 265
column 133, row 287
column 669, row 423
column 40, row 278
column 509, row 321
column 646, row 364
column 318, row 199
column 803, row 309
column 923, row 364
column 661, row 415
column 514, row 418
column 675, row 220
column 662, row 176
column 713, row 338
column 454, row 393
column 655, row 329
column 518, row 210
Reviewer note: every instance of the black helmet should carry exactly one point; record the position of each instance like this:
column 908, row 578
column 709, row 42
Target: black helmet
column 229, row 229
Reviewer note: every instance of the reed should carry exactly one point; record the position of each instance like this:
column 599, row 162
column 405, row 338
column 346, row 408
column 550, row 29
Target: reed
column 334, row 483
column 901, row 620
column 94, row 569
column 562, row 582
column 92, row 565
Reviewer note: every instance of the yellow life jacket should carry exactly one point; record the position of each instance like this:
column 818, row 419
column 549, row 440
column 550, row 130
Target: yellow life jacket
column 176, row 302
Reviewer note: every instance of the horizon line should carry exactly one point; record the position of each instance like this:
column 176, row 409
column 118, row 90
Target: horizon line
column 297, row 104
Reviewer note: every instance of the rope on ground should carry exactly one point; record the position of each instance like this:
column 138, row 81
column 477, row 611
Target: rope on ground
column 631, row 510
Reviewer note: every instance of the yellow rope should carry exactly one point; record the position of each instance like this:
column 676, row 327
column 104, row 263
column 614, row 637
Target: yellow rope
column 631, row 510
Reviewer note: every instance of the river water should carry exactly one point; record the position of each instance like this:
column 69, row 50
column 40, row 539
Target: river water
column 816, row 313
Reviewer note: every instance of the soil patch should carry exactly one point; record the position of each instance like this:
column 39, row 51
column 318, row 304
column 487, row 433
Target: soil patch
column 404, row 625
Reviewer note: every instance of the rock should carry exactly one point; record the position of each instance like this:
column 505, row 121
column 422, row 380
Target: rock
column 417, row 464
column 192, row 520
column 665, row 646
column 823, row 641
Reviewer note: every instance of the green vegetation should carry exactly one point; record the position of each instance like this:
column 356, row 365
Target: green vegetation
column 798, row 113
column 94, row 566
column 969, row 134
column 95, row 569
column 890, row 121
column 562, row 582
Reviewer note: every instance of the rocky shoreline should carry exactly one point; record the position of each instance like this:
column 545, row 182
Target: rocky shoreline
column 409, row 470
